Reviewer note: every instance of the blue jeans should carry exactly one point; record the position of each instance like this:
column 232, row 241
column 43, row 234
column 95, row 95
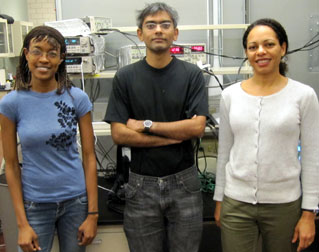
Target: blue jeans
column 164, row 213
column 64, row 217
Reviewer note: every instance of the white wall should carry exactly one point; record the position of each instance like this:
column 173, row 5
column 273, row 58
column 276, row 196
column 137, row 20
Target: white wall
column 123, row 12
column 15, row 8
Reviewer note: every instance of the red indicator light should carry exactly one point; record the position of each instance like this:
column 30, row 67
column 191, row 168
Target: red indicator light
column 177, row 50
column 198, row 48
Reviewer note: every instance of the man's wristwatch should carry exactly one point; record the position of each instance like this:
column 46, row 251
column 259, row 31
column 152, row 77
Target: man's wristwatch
column 147, row 125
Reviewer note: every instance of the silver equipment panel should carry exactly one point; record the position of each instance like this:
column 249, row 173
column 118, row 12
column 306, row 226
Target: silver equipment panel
column 78, row 45
column 79, row 64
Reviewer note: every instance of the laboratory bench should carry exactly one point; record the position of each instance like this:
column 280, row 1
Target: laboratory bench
column 110, row 236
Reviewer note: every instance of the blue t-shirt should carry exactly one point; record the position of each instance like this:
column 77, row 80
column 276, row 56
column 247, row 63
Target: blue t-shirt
column 46, row 123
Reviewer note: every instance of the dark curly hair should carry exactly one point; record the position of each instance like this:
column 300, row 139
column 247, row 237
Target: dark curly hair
column 55, row 39
column 280, row 33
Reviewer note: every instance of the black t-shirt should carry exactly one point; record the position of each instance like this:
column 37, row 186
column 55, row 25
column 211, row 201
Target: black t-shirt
column 172, row 93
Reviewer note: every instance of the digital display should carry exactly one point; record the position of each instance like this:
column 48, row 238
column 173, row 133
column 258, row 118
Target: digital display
column 198, row 48
column 177, row 50
column 72, row 41
column 73, row 61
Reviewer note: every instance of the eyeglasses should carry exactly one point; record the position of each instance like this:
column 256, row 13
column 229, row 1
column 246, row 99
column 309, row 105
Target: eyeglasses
column 38, row 53
column 164, row 25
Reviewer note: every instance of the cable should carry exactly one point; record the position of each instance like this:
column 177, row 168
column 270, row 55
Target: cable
column 203, row 150
column 94, row 94
column 207, row 179
column 106, row 52
column 98, row 161
column 210, row 72
column 239, row 69
column 108, row 170
column 310, row 45
column 105, row 189
column 106, row 153
column 82, row 77
column 127, row 36
column 214, row 54
column 196, row 150
column 306, row 46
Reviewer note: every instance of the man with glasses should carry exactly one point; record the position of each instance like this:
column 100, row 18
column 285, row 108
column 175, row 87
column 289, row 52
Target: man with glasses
column 156, row 107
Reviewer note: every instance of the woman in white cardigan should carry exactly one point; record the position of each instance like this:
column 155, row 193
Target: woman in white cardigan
column 262, row 188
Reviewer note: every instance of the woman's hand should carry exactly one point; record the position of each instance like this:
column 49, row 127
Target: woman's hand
column 217, row 212
column 87, row 231
column 28, row 239
column 305, row 230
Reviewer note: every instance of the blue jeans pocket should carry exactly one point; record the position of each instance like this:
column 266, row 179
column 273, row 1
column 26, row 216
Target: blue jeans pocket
column 191, row 184
column 28, row 205
column 83, row 200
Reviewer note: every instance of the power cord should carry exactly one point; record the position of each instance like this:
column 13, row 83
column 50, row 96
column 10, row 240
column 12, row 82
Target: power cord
column 207, row 179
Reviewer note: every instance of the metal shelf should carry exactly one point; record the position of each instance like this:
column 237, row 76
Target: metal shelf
column 232, row 70
column 102, row 75
column 218, row 71
column 192, row 27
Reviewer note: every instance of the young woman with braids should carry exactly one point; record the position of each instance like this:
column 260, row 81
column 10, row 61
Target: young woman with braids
column 53, row 190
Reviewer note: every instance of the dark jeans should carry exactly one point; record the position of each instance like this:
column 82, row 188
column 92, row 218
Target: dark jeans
column 164, row 214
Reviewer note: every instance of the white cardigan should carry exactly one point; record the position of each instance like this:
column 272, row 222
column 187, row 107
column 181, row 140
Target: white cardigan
column 258, row 139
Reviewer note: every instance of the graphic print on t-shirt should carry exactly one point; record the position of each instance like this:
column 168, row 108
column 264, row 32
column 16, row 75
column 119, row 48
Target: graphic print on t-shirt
column 67, row 120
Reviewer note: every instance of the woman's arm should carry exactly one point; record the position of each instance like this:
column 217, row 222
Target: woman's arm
column 87, row 231
column 309, row 138
column 27, row 239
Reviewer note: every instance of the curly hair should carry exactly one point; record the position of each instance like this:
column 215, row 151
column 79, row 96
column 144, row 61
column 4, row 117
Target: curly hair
column 55, row 39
